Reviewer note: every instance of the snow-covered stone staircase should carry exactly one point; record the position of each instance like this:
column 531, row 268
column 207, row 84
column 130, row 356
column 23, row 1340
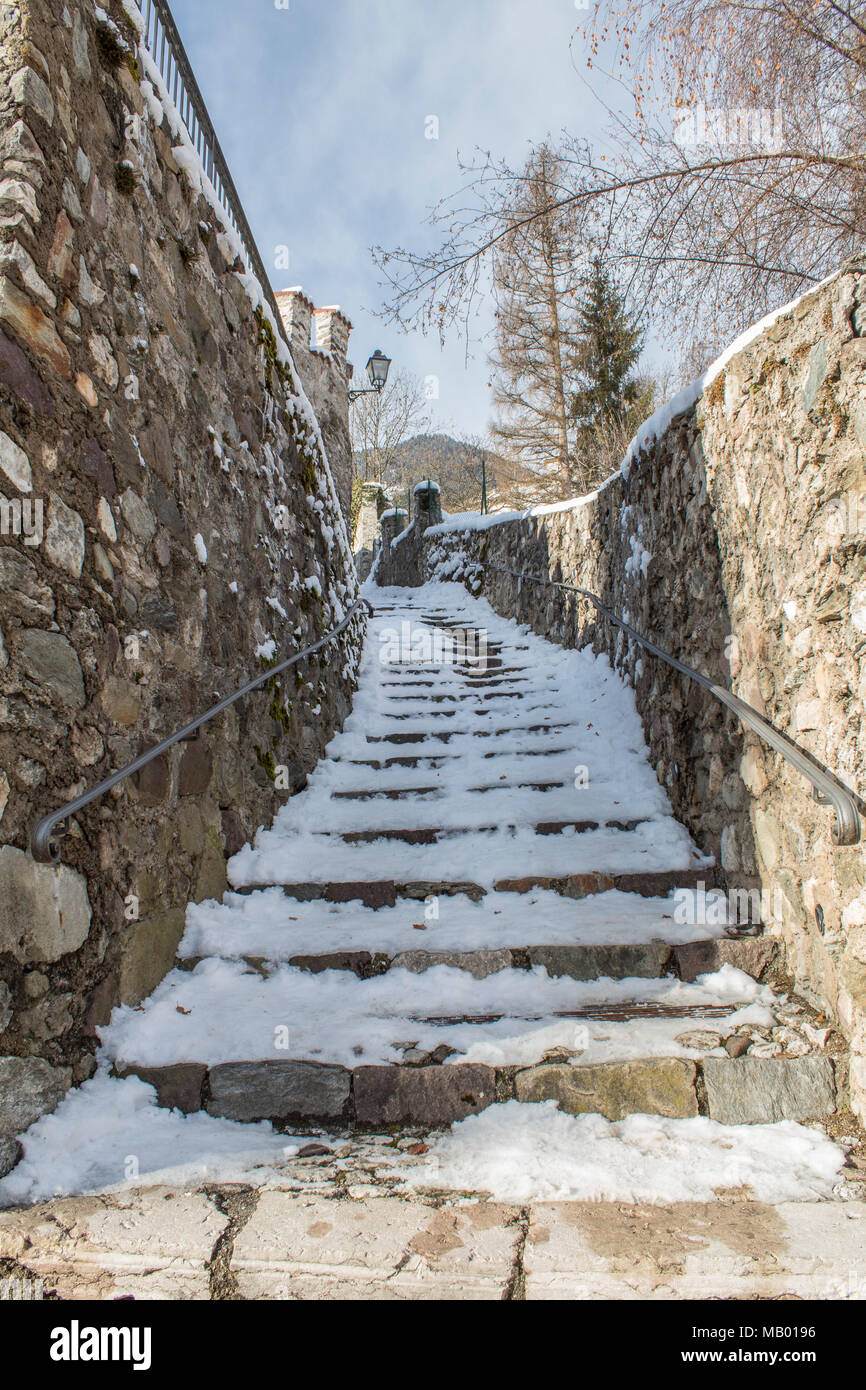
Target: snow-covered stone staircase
column 477, row 981
column 481, row 896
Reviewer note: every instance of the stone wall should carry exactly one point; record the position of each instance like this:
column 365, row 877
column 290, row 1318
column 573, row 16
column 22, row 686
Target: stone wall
column 169, row 528
column 736, row 539
column 325, row 374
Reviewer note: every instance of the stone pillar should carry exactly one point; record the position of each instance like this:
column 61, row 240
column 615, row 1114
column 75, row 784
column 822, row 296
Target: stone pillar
column 428, row 504
column 374, row 501
column 393, row 522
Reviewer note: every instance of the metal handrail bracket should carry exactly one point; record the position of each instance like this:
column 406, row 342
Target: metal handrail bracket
column 47, row 851
column 827, row 788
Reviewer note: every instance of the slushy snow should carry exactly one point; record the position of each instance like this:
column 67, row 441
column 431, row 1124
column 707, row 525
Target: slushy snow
column 535, row 1153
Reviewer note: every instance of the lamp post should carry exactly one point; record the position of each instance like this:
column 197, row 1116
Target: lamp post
column 378, row 367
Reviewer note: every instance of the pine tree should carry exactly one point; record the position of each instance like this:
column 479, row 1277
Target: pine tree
column 610, row 399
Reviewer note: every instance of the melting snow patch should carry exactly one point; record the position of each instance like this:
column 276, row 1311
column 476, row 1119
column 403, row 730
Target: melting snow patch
column 111, row 1133
column 639, row 559
column 535, row 1153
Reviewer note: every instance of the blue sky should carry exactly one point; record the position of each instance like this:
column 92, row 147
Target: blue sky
column 321, row 111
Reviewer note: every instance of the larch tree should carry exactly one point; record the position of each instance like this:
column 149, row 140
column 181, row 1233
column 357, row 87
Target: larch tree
column 733, row 177
column 534, row 276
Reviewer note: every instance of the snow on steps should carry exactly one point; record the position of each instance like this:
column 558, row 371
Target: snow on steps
column 433, row 1046
column 539, row 988
column 582, row 980
column 531, row 756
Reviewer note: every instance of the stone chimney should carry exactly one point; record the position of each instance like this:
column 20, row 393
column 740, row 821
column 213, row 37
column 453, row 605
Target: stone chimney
column 296, row 312
column 325, row 375
column 332, row 332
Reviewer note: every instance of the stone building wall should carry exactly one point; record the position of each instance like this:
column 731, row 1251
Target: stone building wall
column 189, row 534
column 325, row 374
column 736, row 539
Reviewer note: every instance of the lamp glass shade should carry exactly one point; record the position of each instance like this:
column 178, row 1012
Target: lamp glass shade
column 378, row 368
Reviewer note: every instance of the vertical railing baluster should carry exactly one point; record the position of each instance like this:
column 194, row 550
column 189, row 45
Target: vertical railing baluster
column 166, row 49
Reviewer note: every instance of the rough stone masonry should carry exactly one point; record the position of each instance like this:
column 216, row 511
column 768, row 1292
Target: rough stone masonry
column 169, row 527
column 736, row 540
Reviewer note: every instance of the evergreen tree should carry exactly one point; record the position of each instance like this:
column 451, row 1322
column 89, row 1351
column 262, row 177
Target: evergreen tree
column 610, row 399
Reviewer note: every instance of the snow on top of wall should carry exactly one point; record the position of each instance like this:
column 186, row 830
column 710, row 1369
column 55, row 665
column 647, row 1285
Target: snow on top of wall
column 651, row 429
column 134, row 14
column 474, row 521
column 660, row 420
column 428, row 483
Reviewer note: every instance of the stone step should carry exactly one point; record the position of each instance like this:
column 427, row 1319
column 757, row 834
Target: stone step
column 441, row 789
column 519, row 786
column 459, row 699
column 645, row 960
column 530, row 753
column 557, row 827
column 385, row 892
column 411, row 760
column 464, row 710
column 475, row 678
column 653, row 884
column 330, row 1228
column 397, row 794
column 319, row 934
column 434, row 835
column 421, row 737
column 613, row 935
column 730, row 1090
column 428, row 699
column 409, row 738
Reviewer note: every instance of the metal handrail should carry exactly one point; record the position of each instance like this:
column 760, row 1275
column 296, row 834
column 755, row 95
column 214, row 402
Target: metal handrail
column 46, row 850
column 827, row 788
column 160, row 38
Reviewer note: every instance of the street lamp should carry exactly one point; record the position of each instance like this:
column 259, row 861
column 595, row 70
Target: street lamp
column 378, row 367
